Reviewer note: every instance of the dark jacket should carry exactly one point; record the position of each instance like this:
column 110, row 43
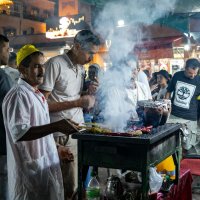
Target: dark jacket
column 5, row 86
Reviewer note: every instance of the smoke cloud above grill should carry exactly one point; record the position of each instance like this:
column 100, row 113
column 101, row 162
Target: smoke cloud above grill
column 122, row 22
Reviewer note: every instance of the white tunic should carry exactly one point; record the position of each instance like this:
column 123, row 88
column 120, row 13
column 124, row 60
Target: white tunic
column 33, row 166
column 142, row 78
column 135, row 95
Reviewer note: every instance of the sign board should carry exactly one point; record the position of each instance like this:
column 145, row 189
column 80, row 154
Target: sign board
column 61, row 27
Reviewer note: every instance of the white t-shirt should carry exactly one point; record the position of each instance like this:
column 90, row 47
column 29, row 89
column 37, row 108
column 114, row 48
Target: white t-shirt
column 135, row 95
column 142, row 78
column 65, row 82
column 33, row 166
column 138, row 94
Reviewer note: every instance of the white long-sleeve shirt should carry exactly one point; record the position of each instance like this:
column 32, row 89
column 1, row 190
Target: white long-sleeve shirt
column 142, row 78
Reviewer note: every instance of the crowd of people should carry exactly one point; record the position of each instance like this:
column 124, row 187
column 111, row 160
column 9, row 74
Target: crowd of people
column 36, row 99
column 34, row 108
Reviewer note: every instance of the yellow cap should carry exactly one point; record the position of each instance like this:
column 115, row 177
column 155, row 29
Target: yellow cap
column 25, row 51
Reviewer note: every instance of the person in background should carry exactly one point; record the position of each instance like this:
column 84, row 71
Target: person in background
column 153, row 79
column 90, row 87
column 148, row 74
column 140, row 89
column 142, row 78
column 93, row 72
column 63, row 82
column 5, row 86
column 11, row 68
column 170, row 76
column 139, row 78
column 137, row 90
column 92, row 77
column 32, row 158
column 166, row 166
column 163, row 81
column 185, row 86
column 154, row 84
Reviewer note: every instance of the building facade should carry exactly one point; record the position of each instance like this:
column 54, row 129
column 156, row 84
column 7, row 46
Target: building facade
column 25, row 17
column 25, row 22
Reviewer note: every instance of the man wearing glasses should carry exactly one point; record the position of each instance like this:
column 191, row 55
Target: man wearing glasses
column 63, row 82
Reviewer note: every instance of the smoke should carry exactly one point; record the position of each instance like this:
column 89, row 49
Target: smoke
column 135, row 14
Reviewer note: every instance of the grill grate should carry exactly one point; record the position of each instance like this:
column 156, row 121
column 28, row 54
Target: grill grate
column 155, row 135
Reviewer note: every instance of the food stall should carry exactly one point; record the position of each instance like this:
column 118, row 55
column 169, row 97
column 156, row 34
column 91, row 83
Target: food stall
column 137, row 153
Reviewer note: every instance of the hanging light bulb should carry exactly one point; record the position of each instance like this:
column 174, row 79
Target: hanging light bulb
column 187, row 47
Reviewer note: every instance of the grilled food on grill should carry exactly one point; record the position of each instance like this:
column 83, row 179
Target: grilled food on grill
column 96, row 129
column 134, row 133
column 100, row 130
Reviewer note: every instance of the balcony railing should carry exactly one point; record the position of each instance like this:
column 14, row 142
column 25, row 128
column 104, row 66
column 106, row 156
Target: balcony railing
column 33, row 17
column 24, row 16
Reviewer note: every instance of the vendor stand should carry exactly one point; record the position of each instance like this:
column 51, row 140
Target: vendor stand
column 130, row 153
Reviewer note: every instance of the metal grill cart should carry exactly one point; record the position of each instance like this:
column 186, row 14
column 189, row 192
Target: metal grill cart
column 130, row 153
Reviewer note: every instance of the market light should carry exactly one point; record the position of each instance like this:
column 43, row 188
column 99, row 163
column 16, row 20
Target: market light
column 6, row 2
column 5, row 5
column 187, row 47
column 120, row 23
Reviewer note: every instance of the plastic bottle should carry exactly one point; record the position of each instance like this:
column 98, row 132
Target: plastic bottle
column 93, row 189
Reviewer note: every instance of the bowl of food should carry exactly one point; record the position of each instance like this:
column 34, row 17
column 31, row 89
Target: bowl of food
column 166, row 106
column 155, row 113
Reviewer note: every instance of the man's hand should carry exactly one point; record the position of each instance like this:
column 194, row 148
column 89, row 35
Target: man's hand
column 65, row 154
column 67, row 127
column 87, row 101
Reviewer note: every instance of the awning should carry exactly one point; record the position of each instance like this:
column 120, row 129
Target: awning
column 155, row 54
column 157, row 43
column 182, row 6
column 38, row 40
column 157, row 48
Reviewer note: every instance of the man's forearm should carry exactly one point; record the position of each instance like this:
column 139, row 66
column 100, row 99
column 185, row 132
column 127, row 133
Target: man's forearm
column 59, row 106
column 37, row 132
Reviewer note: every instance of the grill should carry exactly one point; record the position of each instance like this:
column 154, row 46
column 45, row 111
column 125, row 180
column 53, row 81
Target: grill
column 130, row 153
column 149, row 138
